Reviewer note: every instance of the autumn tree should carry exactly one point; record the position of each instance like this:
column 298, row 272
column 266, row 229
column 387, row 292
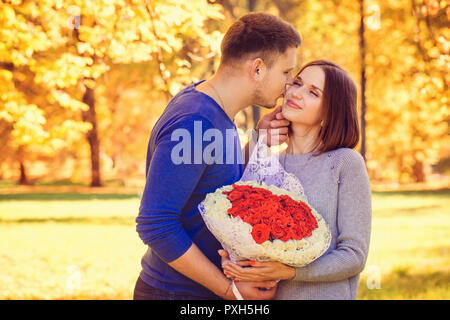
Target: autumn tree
column 32, row 121
column 87, row 80
column 406, row 55
column 79, row 41
column 408, row 89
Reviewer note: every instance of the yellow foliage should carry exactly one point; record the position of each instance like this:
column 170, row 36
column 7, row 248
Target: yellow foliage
column 49, row 56
column 67, row 101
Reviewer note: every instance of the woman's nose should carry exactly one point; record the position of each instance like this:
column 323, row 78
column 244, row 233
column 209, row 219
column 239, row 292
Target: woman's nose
column 287, row 85
column 296, row 93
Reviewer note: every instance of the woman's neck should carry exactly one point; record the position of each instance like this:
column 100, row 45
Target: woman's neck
column 302, row 141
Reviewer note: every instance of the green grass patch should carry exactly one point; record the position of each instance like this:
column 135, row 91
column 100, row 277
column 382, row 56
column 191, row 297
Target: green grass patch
column 44, row 235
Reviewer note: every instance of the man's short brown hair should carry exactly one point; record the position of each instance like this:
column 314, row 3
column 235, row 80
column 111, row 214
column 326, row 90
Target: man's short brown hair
column 258, row 33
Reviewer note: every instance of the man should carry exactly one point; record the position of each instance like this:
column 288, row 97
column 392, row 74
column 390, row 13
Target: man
column 182, row 262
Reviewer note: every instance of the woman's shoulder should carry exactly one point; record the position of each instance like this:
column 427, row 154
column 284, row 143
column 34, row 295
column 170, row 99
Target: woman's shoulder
column 348, row 158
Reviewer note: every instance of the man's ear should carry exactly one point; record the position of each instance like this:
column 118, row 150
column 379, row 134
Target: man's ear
column 258, row 69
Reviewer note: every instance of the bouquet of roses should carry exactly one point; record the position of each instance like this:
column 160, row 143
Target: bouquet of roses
column 265, row 223
column 265, row 216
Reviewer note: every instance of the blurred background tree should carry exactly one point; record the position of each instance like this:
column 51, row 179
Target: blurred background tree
column 83, row 82
column 33, row 124
column 66, row 47
column 408, row 71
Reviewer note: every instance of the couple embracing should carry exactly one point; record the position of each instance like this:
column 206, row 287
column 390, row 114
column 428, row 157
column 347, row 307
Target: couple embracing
column 318, row 121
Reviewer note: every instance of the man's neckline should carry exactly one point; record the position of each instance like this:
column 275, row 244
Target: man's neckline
column 194, row 85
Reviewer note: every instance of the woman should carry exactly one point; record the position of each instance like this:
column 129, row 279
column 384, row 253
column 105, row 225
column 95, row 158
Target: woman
column 321, row 106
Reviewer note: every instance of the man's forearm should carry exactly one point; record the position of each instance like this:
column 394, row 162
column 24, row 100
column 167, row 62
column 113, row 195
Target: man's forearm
column 196, row 266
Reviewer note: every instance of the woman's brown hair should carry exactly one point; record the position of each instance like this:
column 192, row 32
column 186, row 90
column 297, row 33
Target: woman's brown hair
column 340, row 127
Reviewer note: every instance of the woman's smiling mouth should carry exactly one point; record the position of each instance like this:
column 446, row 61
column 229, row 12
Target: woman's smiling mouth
column 292, row 104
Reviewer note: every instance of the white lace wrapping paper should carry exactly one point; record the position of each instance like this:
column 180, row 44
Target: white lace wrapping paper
column 264, row 171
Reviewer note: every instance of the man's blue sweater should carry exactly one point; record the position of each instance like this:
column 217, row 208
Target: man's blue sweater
column 169, row 220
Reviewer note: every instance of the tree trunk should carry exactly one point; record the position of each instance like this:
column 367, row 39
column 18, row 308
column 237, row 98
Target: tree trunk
column 92, row 136
column 362, row 50
column 418, row 170
column 90, row 116
column 251, row 5
column 23, row 180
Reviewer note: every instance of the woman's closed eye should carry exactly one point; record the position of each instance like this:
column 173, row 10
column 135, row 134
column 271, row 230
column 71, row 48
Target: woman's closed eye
column 299, row 83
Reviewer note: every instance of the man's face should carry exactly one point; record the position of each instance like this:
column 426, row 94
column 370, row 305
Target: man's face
column 272, row 85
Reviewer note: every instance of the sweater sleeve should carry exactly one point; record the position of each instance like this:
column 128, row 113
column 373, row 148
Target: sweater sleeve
column 354, row 214
column 169, row 186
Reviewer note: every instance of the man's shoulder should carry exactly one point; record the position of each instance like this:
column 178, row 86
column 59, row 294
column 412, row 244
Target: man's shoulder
column 187, row 107
column 194, row 106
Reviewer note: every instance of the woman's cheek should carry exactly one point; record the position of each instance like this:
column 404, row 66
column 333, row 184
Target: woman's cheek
column 284, row 112
column 287, row 112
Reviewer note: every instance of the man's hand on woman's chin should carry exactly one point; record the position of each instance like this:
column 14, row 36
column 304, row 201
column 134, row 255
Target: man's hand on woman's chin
column 276, row 126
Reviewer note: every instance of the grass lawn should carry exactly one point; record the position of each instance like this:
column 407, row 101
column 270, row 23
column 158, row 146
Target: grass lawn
column 410, row 246
column 84, row 246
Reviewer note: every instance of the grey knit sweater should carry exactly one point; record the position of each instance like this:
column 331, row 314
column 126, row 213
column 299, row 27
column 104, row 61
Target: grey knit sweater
column 337, row 186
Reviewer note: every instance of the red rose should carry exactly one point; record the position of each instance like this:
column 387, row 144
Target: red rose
column 235, row 195
column 295, row 233
column 279, row 220
column 286, row 236
column 253, row 217
column 277, row 231
column 260, row 233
